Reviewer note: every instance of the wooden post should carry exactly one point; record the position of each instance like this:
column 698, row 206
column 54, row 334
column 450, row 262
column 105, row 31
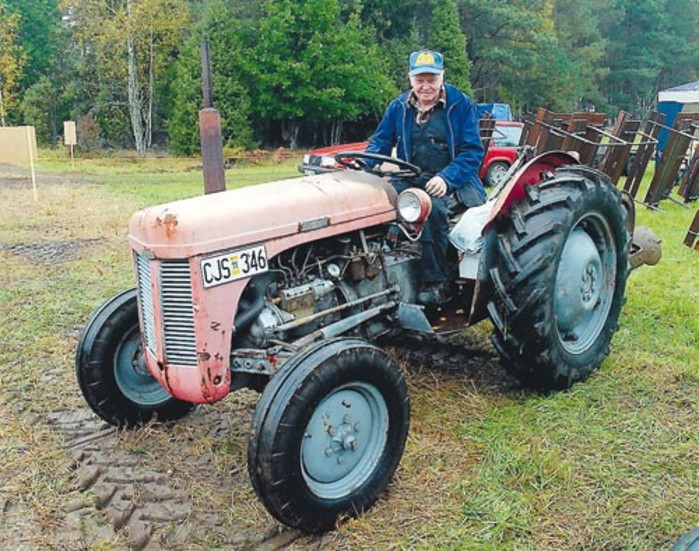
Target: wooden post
column 30, row 149
column 644, row 153
column 666, row 170
column 70, row 138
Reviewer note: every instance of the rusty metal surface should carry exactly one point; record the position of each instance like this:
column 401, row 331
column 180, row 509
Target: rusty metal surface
column 689, row 187
column 210, row 131
column 616, row 158
column 692, row 237
column 644, row 152
column 485, row 129
column 529, row 175
column 645, row 248
column 206, row 74
column 201, row 225
column 667, row 169
column 579, row 132
column 212, row 150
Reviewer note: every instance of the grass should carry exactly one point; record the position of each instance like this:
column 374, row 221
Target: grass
column 610, row 464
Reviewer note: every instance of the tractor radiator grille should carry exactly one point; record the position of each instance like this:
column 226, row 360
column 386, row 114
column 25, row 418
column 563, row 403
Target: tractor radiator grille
column 178, row 314
column 175, row 286
column 145, row 298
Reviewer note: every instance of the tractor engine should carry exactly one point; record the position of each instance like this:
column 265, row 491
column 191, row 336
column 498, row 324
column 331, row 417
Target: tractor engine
column 319, row 284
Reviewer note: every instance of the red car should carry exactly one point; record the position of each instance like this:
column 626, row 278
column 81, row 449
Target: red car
column 498, row 157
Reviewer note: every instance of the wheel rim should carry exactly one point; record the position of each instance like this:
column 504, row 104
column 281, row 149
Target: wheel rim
column 132, row 375
column 585, row 283
column 497, row 173
column 344, row 440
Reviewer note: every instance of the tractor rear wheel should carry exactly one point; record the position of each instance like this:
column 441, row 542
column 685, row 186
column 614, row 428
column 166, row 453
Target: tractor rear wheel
column 111, row 371
column 328, row 433
column 559, row 274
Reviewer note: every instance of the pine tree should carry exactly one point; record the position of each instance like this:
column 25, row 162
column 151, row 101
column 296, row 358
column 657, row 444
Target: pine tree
column 11, row 63
column 231, row 97
column 447, row 38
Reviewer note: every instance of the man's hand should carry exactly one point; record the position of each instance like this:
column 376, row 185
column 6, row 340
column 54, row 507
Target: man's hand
column 436, row 187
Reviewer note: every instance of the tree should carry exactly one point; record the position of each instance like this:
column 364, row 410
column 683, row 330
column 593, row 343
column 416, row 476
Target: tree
column 40, row 108
column 11, row 61
column 501, row 46
column 653, row 45
column 515, row 53
column 132, row 42
column 633, row 55
column 309, row 66
column 447, row 38
column 230, row 87
column 38, row 30
column 577, row 29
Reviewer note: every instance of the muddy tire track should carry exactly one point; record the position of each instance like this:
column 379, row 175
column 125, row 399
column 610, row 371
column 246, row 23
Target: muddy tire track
column 144, row 495
column 135, row 501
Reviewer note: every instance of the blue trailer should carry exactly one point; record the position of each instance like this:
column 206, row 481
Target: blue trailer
column 672, row 102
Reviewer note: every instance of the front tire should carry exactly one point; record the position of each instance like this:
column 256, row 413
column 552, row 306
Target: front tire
column 111, row 370
column 688, row 542
column 559, row 273
column 328, row 433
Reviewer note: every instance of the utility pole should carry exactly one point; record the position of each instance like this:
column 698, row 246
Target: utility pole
column 2, row 109
column 210, row 131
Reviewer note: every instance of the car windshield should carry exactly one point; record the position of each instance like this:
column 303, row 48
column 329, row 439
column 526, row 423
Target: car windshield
column 507, row 136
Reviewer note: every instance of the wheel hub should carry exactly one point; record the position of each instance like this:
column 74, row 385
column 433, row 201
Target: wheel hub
column 344, row 435
column 344, row 439
column 578, row 283
column 138, row 363
column 131, row 373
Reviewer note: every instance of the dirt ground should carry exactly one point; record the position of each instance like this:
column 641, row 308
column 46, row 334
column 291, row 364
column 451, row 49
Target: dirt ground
column 178, row 486
column 139, row 489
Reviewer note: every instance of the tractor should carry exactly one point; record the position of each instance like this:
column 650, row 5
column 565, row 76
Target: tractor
column 288, row 288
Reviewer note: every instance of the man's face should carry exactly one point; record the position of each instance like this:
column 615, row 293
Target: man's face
column 426, row 87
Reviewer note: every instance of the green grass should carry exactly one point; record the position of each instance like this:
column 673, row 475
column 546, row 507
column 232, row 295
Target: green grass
column 610, row 464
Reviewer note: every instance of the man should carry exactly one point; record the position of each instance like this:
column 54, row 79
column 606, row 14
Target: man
column 434, row 126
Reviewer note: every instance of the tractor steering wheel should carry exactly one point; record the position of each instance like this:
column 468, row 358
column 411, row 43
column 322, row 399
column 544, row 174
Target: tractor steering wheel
column 353, row 160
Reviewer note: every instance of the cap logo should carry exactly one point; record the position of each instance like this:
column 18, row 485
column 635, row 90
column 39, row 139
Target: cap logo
column 425, row 58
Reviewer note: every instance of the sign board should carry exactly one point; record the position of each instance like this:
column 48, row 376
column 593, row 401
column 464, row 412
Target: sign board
column 18, row 145
column 70, row 134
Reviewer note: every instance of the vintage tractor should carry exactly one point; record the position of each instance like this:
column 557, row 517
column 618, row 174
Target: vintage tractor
column 286, row 287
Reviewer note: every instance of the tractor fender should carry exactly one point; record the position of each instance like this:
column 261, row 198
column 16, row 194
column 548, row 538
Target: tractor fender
column 530, row 174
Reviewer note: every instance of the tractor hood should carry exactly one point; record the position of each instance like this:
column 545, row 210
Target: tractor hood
column 328, row 204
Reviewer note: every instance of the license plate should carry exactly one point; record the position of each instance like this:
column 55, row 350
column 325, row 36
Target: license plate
column 309, row 172
column 234, row 265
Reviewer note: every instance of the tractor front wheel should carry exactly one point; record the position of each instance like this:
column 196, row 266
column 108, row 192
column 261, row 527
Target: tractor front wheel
column 559, row 273
column 328, row 433
column 111, row 369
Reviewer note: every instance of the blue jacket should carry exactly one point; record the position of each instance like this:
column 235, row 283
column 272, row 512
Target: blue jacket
column 463, row 139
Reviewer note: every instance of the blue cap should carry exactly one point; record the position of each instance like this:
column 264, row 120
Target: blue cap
column 426, row 61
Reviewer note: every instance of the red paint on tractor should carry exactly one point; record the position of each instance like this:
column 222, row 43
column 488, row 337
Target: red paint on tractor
column 531, row 173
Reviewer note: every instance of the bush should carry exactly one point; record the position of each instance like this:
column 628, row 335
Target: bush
column 89, row 134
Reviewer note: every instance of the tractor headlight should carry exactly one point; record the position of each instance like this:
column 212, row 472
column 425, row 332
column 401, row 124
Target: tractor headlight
column 414, row 205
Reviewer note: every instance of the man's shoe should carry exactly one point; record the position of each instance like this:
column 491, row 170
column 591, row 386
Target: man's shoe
column 433, row 294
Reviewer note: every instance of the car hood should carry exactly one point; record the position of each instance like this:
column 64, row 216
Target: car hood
column 322, row 205
column 333, row 149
